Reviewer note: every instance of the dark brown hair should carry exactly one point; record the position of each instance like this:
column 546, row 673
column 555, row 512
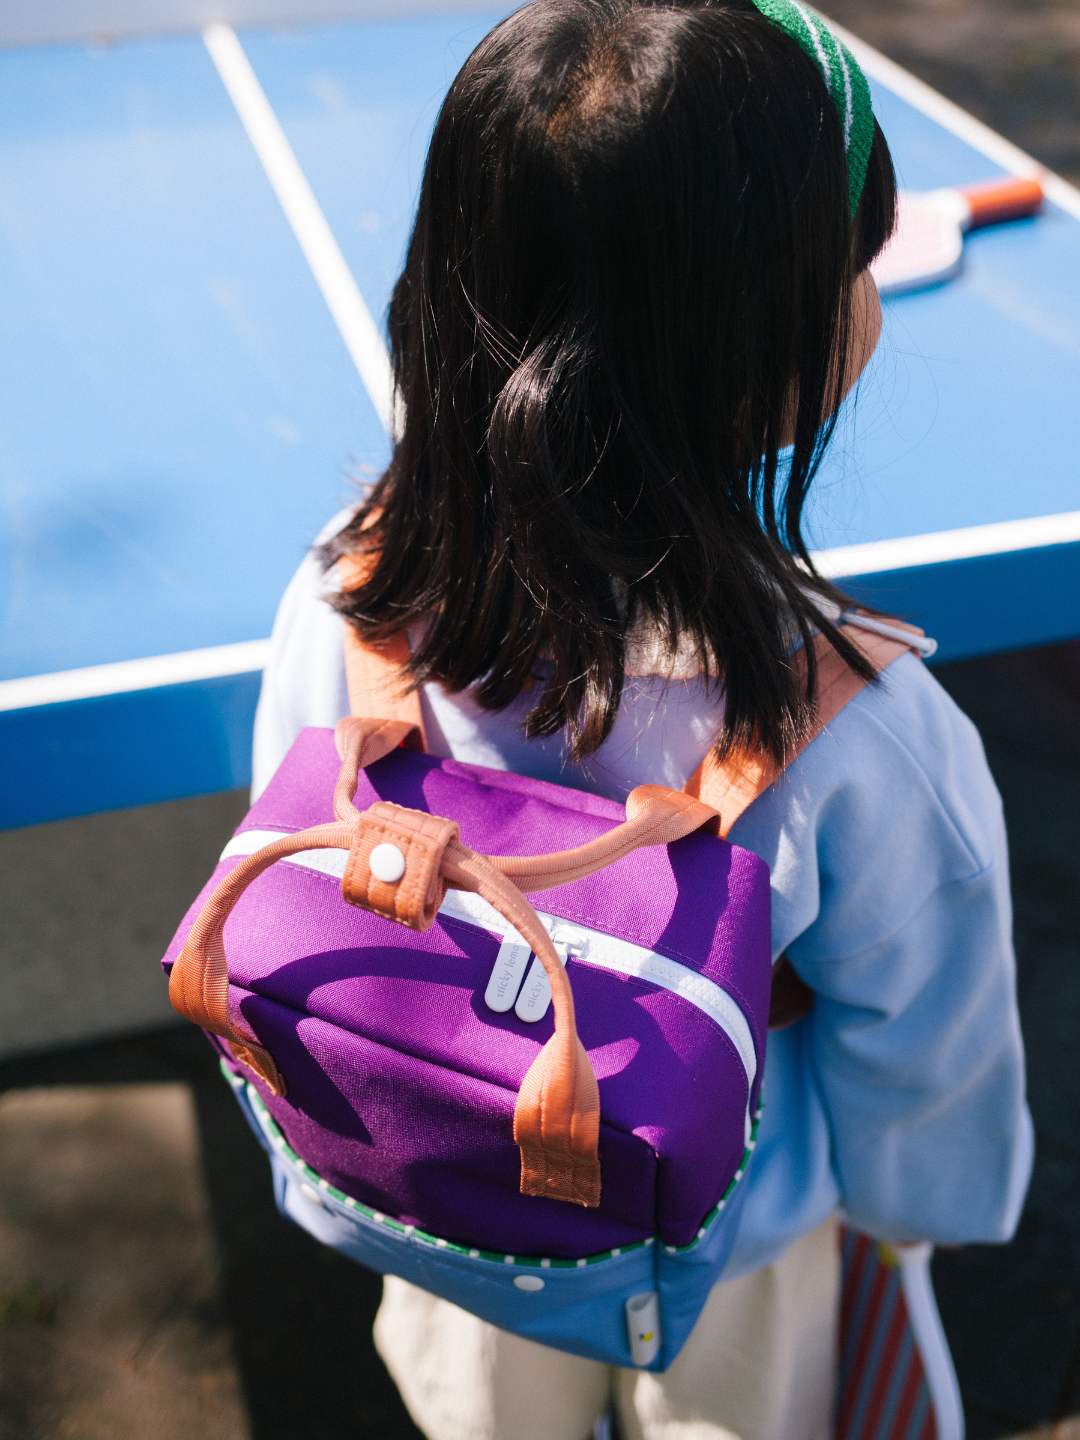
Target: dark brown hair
column 630, row 274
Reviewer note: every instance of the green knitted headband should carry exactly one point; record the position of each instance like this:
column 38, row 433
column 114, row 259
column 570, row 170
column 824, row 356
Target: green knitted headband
column 845, row 81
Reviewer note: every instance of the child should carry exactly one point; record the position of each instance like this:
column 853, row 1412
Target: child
column 635, row 295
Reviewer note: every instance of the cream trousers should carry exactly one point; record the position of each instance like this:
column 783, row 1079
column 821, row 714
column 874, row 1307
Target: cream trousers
column 760, row 1364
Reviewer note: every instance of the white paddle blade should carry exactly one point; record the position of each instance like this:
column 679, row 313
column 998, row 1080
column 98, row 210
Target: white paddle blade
column 927, row 245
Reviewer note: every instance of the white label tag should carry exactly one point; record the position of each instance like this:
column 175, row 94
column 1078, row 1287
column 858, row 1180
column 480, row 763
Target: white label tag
column 643, row 1327
column 509, row 971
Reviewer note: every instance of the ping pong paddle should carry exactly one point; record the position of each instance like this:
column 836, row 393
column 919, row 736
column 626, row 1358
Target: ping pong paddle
column 927, row 245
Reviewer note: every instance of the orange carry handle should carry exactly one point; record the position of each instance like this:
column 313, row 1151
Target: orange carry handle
column 557, row 1114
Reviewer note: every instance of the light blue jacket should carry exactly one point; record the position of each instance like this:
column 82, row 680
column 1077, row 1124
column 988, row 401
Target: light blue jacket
column 900, row 1098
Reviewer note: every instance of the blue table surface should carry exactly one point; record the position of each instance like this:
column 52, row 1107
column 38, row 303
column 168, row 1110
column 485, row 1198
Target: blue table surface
column 179, row 415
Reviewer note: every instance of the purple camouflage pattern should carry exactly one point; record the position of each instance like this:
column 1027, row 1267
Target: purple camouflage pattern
column 401, row 1083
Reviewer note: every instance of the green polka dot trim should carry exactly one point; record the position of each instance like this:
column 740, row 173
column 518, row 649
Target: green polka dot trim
column 277, row 1140
column 845, row 81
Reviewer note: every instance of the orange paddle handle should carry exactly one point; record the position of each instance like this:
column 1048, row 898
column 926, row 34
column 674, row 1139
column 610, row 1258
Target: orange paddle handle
column 997, row 200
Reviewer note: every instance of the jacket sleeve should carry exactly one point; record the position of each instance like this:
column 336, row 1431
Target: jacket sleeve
column 916, row 1049
column 891, row 898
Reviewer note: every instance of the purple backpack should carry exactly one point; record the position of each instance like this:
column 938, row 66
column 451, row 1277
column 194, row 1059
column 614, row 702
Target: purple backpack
column 429, row 1106
column 540, row 1114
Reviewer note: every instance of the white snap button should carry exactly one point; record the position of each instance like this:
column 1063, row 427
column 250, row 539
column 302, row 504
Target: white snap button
column 310, row 1193
column 528, row 1282
column 387, row 863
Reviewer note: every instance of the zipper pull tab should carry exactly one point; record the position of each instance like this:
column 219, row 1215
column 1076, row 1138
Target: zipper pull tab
column 510, row 966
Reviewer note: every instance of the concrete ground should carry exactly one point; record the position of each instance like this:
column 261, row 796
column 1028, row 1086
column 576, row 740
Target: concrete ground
column 110, row 1297
column 147, row 1284
column 1013, row 63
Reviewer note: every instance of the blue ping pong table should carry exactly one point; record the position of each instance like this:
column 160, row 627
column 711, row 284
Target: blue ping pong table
column 195, row 234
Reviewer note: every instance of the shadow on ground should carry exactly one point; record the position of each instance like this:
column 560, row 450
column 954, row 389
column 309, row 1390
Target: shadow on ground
column 86, row 1352
column 109, row 1295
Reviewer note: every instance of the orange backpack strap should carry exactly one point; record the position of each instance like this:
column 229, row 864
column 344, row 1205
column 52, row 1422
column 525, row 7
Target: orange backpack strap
column 374, row 674
column 732, row 785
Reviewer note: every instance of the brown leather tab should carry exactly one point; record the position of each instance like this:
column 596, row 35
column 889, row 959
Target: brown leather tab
column 557, row 1124
column 262, row 1062
column 422, row 841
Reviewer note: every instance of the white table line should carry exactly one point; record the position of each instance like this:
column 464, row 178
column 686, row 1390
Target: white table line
column 309, row 224
column 943, row 546
column 126, row 675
